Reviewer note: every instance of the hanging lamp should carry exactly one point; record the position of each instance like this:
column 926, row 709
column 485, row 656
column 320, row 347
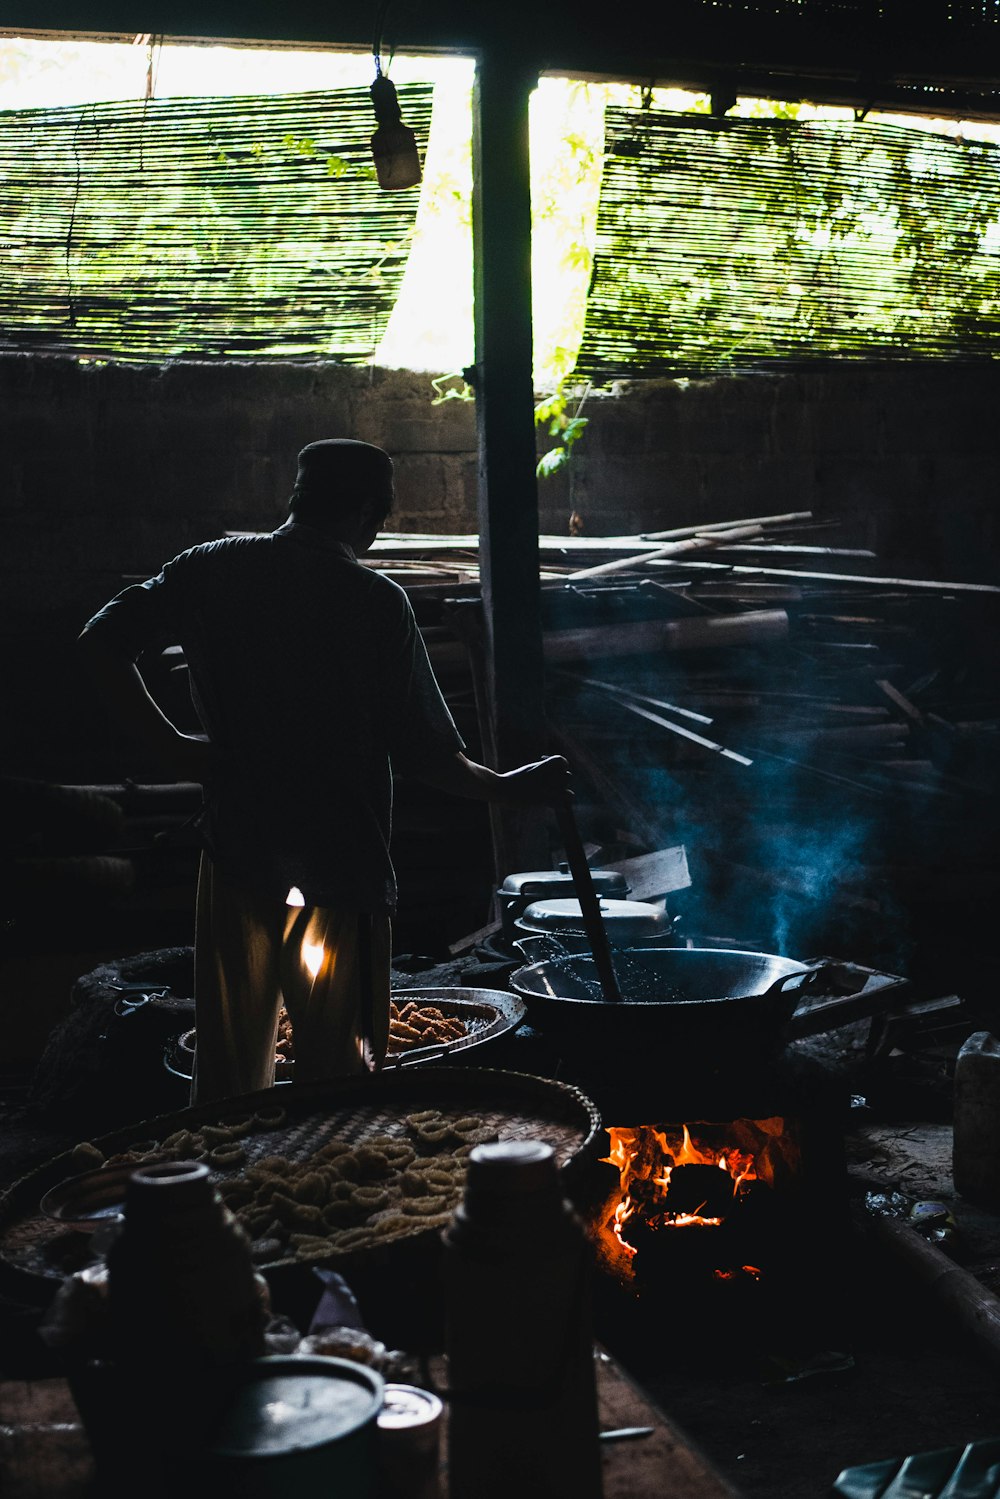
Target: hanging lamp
column 394, row 145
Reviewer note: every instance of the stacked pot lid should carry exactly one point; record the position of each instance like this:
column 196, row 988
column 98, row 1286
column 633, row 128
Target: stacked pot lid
column 539, row 886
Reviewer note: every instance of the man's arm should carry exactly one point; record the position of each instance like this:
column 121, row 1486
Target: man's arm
column 120, row 685
column 541, row 783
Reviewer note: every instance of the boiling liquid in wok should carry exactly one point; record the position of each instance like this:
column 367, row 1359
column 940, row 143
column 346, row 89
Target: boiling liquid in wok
column 637, row 984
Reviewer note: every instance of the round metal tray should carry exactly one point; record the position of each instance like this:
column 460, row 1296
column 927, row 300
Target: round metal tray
column 488, row 1014
column 38, row 1249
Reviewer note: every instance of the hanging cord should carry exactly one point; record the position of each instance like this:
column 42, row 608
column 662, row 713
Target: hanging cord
column 153, row 54
column 377, row 38
column 72, row 212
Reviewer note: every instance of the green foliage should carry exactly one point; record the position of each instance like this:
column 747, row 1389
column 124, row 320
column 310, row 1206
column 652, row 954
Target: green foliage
column 170, row 228
column 445, row 391
column 553, row 414
column 551, row 462
column 565, row 184
column 749, row 242
column 823, row 238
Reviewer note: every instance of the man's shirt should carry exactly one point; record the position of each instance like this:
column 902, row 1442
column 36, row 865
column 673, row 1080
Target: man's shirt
column 311, row 679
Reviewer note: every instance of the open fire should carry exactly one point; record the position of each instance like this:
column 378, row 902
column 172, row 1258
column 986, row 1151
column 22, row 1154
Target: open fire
column 695, row 1196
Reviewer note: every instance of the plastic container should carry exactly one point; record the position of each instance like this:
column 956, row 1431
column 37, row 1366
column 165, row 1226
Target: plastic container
column 976, row 1143
column 517, row 1282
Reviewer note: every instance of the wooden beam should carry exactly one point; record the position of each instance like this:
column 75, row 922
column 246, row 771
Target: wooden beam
column 699, row 543
column 652, row 876
column 759, row 627
column 631, row 706
column 680, row 532
column 508, row 494
column 861, row 580
column 968, row 1305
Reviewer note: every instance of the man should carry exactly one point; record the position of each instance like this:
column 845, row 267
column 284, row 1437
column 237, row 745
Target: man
column 312, row 683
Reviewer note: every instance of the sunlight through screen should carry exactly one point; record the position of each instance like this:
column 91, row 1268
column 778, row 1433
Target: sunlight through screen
column 431, row 325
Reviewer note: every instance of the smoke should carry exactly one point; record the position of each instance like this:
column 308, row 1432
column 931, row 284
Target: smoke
column 784, row 857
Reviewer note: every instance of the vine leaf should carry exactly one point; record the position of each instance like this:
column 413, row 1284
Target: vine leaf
column 551, row 462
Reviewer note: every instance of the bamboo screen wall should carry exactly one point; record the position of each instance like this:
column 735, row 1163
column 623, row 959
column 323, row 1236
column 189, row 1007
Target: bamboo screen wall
column 202, row 228
column 939, row 14
column 734, row 245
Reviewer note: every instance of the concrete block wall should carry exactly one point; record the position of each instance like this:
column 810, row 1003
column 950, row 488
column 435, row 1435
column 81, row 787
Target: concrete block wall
column 908, row 456
column 110, row 470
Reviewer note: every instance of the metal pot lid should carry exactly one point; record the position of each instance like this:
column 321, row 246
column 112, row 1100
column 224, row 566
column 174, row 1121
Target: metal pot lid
column 624, row 919
column 287, row 1405
column 554, row 882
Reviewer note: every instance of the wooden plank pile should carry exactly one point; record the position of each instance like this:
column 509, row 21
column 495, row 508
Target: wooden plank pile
column 819, row 733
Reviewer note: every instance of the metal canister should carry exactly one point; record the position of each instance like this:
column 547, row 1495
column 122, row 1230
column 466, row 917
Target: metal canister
column 182, row 1288
column 409, row 1444
column 522, row 1402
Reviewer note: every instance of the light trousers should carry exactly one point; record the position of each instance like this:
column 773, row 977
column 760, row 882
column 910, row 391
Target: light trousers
column 253, row 953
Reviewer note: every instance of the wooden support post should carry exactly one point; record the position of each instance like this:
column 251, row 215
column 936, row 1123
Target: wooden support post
column 508, row 495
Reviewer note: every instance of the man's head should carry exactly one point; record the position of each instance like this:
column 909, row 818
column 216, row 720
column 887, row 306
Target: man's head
column 344, row 488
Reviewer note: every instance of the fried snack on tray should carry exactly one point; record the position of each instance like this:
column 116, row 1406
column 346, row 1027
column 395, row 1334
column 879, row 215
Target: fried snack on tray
column 343, row 1198
column 410, row 1025
column 339, row 1200
column 214, row 1144
column 87, row 1157
column 413, row 1025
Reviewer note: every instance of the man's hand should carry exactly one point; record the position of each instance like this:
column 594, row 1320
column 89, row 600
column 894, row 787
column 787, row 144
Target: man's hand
column 184, row 756
column 543, row 783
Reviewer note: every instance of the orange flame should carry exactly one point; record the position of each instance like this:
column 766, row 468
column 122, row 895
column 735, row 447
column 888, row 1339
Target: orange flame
column 646, row 1156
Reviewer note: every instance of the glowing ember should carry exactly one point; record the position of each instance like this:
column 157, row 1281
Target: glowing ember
column 750, row 1270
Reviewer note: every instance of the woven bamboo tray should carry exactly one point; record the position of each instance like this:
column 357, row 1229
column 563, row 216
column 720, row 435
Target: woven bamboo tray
column 36, row 1251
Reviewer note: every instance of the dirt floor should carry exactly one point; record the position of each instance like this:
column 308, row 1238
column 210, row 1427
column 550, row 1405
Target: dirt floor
column 859, row 1361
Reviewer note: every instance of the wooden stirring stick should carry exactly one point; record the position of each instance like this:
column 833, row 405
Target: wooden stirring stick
column 590, row 905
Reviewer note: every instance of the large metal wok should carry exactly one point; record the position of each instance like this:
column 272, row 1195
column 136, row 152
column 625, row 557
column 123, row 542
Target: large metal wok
column 681, row 996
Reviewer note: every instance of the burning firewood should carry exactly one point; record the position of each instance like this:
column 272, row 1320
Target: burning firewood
column 701, row 1191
